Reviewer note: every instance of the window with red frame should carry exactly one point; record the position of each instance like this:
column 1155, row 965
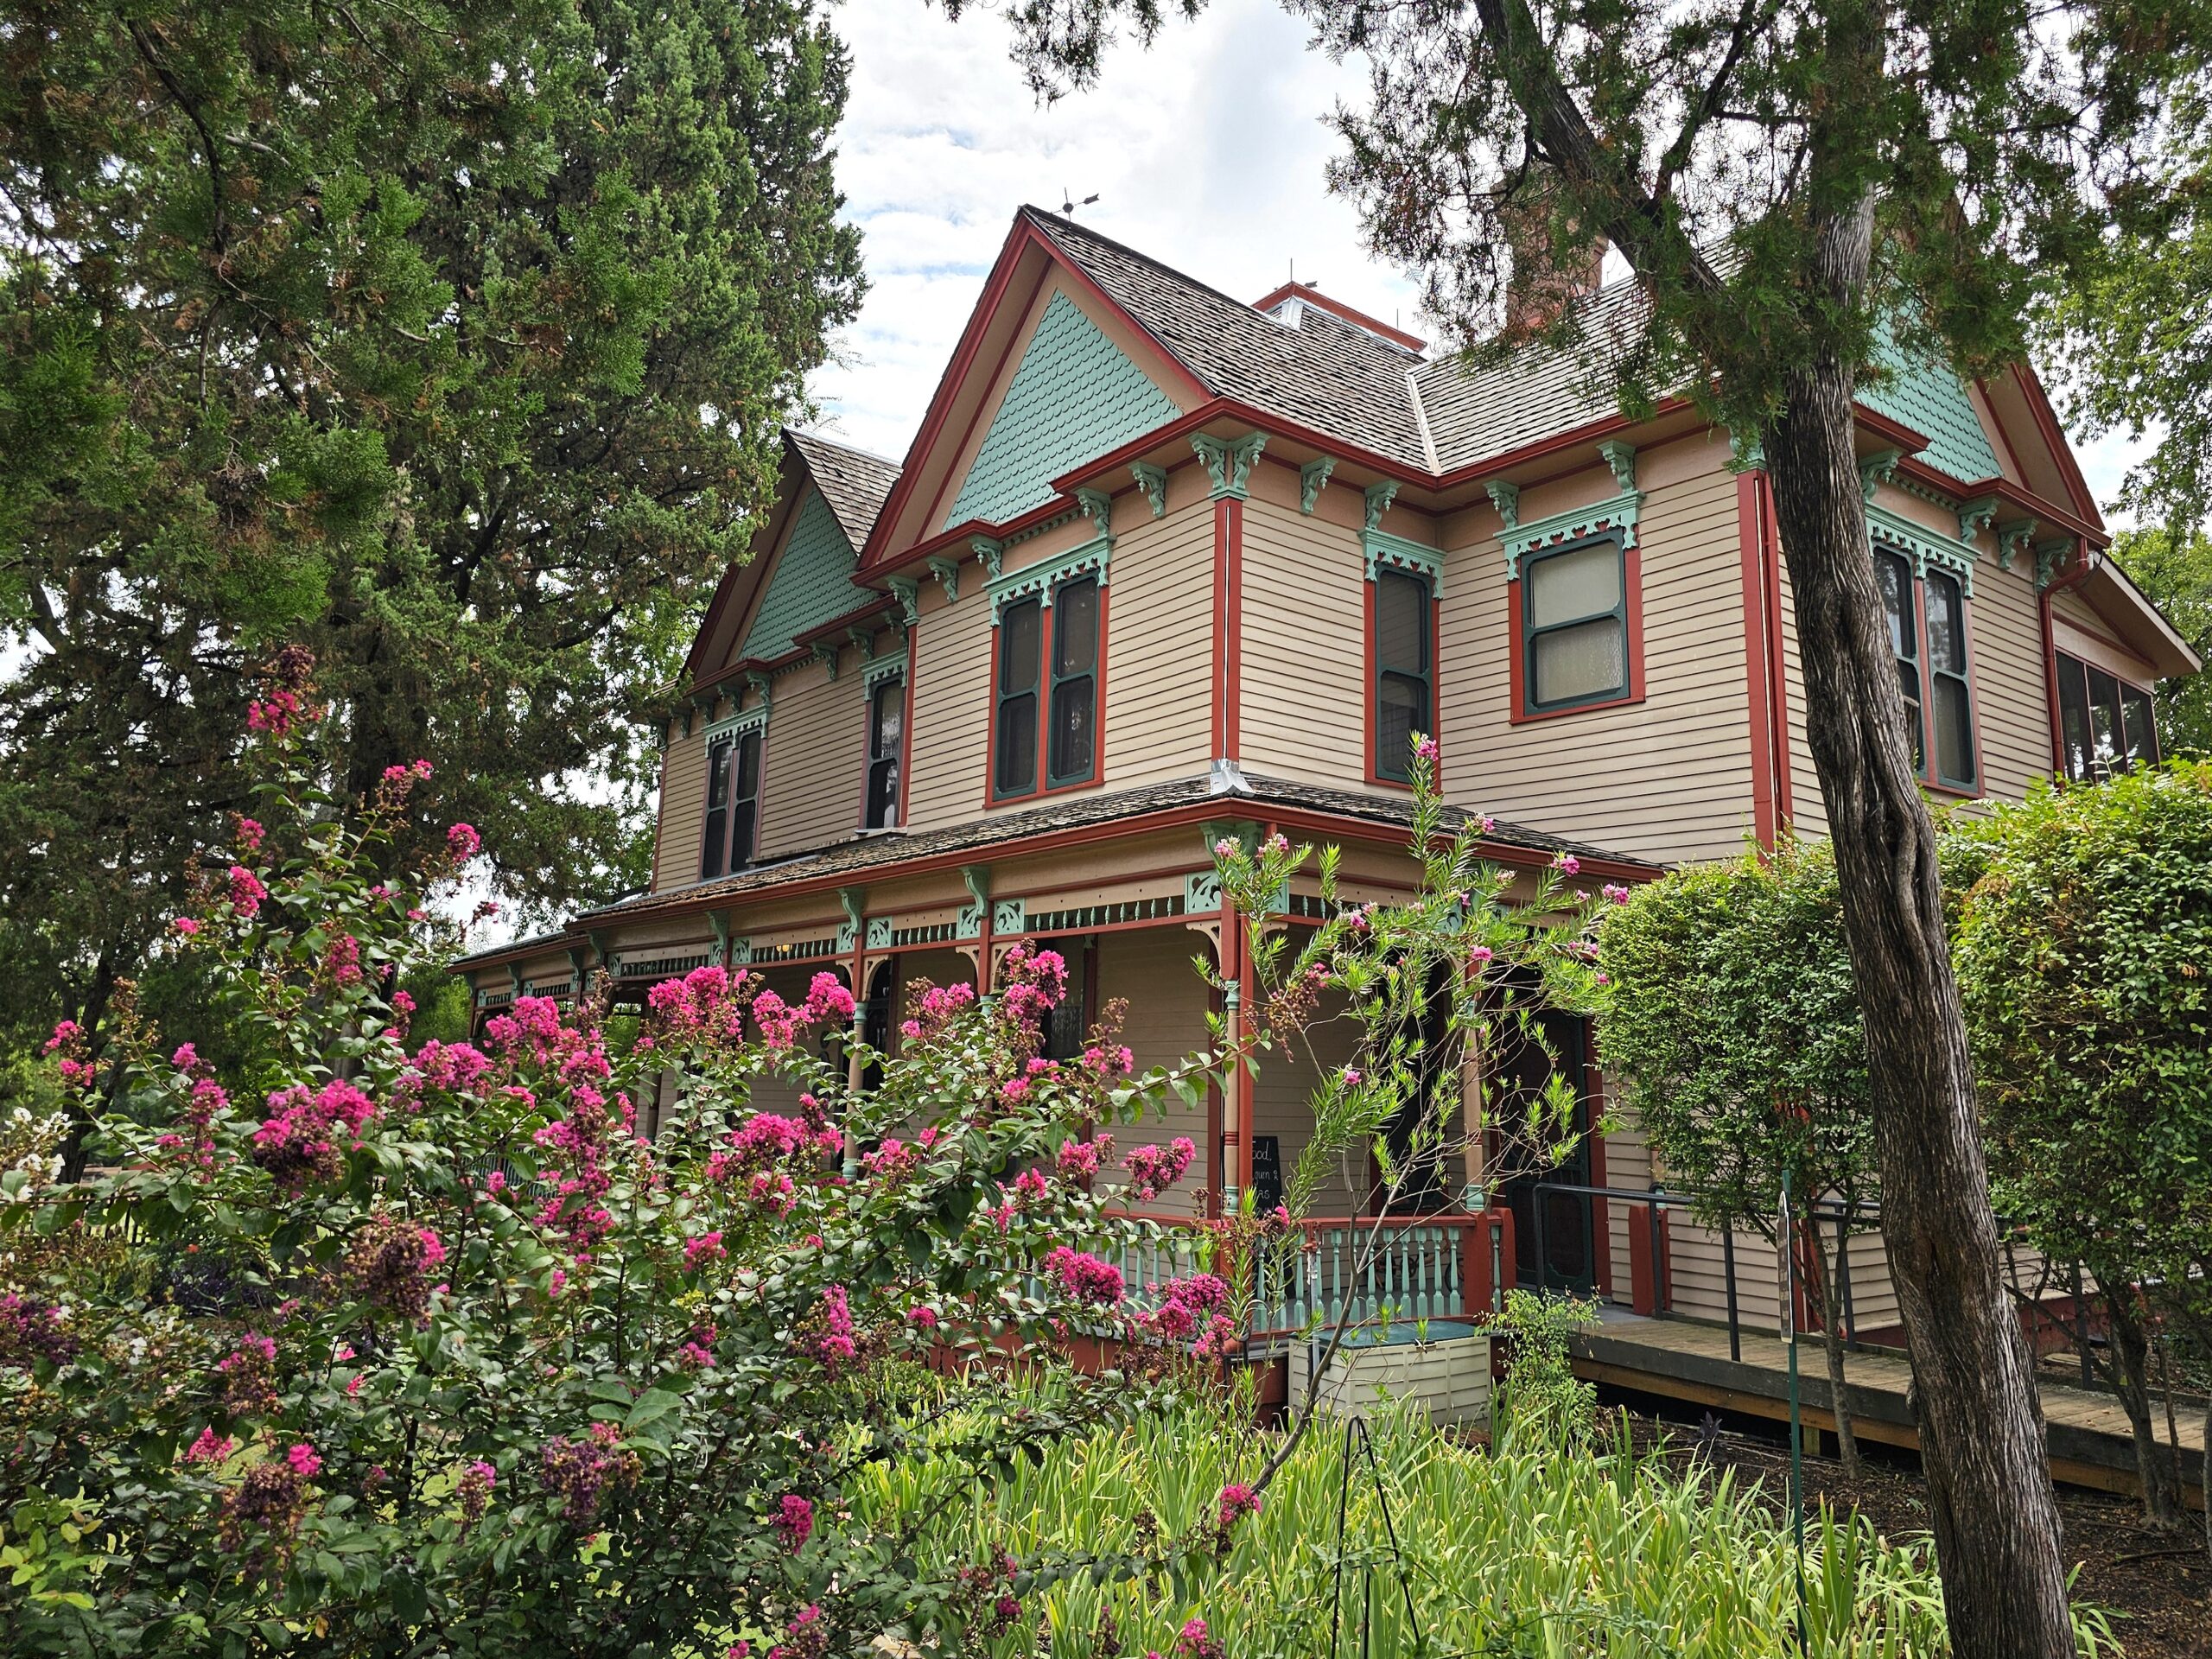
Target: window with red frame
column 1047, row 710
column 1405, row 669
column 886, row 714
column 2106, row 724
column 733, row 803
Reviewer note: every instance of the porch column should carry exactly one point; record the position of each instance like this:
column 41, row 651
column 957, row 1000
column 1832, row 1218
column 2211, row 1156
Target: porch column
column 1235, row 1140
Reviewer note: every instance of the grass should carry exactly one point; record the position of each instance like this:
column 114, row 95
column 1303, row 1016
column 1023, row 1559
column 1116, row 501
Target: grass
column 1523, row 1550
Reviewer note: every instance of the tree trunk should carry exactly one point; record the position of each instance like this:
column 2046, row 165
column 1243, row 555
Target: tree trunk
column 1819, row 1280
column 2131, row 1375
column 1994, row 1518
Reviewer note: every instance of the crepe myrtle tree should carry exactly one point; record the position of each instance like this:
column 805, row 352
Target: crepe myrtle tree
column 1789, row 184
column 414, row 1343
column 1732, row 1024
column 2085, row 952
column 1426, row 992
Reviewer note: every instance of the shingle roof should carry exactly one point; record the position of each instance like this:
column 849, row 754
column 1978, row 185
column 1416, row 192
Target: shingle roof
column 852, row 856
column 1476, row 414
column 1326, row 373
column 854, row 482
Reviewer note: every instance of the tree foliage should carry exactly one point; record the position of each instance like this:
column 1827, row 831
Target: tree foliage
column 2174, row 568
column 451, row 339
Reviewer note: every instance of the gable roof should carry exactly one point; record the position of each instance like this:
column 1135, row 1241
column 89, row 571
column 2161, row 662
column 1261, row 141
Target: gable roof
column 810, row 581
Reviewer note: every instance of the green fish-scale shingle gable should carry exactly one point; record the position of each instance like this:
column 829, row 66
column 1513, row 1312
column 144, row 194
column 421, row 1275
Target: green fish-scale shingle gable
column 1929, row 397
column 811, row 583
column 1075, row 395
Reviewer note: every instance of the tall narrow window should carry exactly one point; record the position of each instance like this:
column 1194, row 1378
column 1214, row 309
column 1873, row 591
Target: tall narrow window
column 886, row 714
column 1893, row 576
column 1021, row 630
column 1574, row 625
column 733, row 803
column 2074, row 716
column 1071, row 754
column 1951, row 696
column 1405, row 671
column 2138, row 725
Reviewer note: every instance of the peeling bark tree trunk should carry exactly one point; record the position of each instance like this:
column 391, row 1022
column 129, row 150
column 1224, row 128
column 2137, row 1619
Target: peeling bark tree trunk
column 2131, row 1373
column 1981, row 1438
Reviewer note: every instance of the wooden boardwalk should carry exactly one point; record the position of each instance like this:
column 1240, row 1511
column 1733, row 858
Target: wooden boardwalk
column 1686, row 1360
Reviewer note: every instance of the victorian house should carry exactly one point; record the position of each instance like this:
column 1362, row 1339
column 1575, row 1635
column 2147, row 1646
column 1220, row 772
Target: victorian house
column 1162, row 565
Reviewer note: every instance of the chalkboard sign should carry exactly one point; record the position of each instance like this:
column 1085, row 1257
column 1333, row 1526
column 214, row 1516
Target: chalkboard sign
column 1266, row 1172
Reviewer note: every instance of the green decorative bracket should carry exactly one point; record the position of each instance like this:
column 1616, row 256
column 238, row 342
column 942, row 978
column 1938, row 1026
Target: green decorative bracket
column 514, row 977
column 1229, row 461
column 1202, row 891
column 1877, row 469
column 1976, row 516
column 908, row 592
column 2051, row 557
column 1745, row 454
column 1506, row 497
column 760, row 683
column 1620, row 455
column 969, row 923
column 720, row 922
column 1153, row 480
column 853, row 899
column 864, row 638
column 741, row 952
column 579, row 965
column 825, row 652
column 1099, row 506
column 1312, row 476
column 991, row 551
column 947, row 572
column 1379, row 498
column 1010, row 915
column 2012, row 541
column 880, row 929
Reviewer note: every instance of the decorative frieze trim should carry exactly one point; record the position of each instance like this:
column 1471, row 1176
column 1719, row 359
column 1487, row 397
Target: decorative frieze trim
column 1040, row 578
column 1153, row 480
column 880, row 930
column 881, row 669
column 1923, row 546
column 754, row 719
column 1229, row 461
column 1616, row 516
column 1383, row 549
column 1009, row 916
column 1201, row 892
column 1312, row 478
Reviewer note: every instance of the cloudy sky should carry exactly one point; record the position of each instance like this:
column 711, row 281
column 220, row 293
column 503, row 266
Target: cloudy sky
column 1207, row 152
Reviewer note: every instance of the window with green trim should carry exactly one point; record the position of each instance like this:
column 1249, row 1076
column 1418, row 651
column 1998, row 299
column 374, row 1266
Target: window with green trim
column 1893, row 577
column 1404, row 668
column 1072, row 754
column 733, row 803
column 1047, row 700
column 1021, row 634
column 1950, row 692
column 886, row 714
column 1574, row 625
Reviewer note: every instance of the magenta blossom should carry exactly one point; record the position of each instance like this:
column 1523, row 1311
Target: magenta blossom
column 795, row 1522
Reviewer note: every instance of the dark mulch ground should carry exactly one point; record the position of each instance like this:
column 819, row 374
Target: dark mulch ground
column 2160, row 1601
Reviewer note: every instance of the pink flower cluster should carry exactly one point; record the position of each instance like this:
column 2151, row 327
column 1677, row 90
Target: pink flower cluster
column 1079, row 1161
column 206, row 1098
column 795, row 1522
column 32, row 1330
column 831, row 1341
column 298, row 1142
column 473, row 1489
column 276, row 714
column 270, row 1501
column 462, row 841
column 1194, row 1641
column 68, row 1041
column 1109, row 1060
column 341, row 960
column 807, row 1636
column 1083, row 1278
column 450, row 1068
column 245, row 890
column 1566, row 864
column 827, row 1000
column 892, row 1161
column 1192, row 1308
column 1153, row 1169
column 938, row 1006
column 579, row 1472
column 707, row 1005
column 1237, row 1501
column 696, row 1352
column 707, row 1247
column 248, row 1372
column 1031, row 982
column 209, row 1447
column 391, row 1264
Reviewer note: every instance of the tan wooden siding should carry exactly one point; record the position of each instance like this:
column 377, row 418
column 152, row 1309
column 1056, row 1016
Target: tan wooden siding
column 951, row 665
column 2011, row 704
column 1158, row 723
column 1282, row 1105
column 1151, row 968
column 1304, row 651
column 683, row 810
column 1808, row 811
column 1668, row 779
column 814, row 759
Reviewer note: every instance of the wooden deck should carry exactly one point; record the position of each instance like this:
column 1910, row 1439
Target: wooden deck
column 1686, row 1360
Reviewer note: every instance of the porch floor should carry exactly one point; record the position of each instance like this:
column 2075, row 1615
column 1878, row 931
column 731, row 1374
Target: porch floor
column 1686, row 1360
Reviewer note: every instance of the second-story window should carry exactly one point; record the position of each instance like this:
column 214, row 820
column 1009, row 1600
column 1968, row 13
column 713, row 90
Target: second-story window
column 1047, row 711
column 733, row 803
column 886, row 714
column 2105, row 723
column 1927, row 618
column 1405, row 669
column 1574, row 643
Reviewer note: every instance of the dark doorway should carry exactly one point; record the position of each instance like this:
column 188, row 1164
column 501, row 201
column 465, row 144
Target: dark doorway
column 1421, row 1134
column 1553, row 1232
